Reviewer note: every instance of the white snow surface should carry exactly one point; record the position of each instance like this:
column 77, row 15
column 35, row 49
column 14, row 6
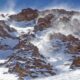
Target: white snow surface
column 4, row 75
column 72, row 75
column 54, row 51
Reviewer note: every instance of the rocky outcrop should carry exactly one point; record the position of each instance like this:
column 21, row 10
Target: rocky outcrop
column 25, row 15
column 29, row 62
column 26, row 61
column 64, row 38
column 63, row 11
column 65, row 19
column 25, row 58
column 73, row 44
column 5, row 30
column 57, row 36
column 44, row 22
column 76, row 63
column 74, row 49
column 71, row 38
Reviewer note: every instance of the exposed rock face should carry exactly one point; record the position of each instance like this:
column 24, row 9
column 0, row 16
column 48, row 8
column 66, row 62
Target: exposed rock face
column 57, row 36
column 71, row 38
column 65, row 19
column 5, row 30
column 62, row 11
column 7, row 38
column 29, row 62
column 4, row 47
column 74, row 49
column 44, row 22
column 76, row 63
column 73, row 44
column 26, row 15
column 64, row 38
column 25, row 58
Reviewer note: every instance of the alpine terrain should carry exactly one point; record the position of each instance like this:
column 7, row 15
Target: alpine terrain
column 38, row 45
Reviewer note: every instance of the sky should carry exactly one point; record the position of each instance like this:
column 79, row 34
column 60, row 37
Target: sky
column 38, row 4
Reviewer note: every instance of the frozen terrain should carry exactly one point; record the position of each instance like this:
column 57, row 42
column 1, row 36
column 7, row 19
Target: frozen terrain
column 38, row 45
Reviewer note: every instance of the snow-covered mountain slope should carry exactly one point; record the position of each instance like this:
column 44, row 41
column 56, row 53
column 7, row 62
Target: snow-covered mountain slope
column 4, row 75
column 40, row 45
column 72, row 75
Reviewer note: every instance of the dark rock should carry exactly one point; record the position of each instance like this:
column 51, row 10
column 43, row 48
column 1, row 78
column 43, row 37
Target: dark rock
column 57, row 36
column 44, row 23
column 76, row 63
column 74, row 49
column 33, row 63
column 25, row 15
column 5, row 30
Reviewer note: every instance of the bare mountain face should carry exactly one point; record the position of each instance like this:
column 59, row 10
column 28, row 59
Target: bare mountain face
column 25, row 14
column 35, row 44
